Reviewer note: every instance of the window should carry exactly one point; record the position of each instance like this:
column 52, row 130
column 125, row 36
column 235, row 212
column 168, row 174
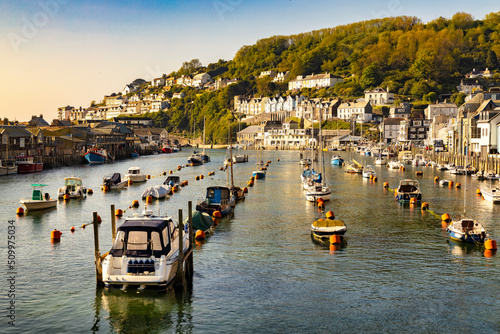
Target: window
column 137, row 240
column 155, row 239
column 118, row 244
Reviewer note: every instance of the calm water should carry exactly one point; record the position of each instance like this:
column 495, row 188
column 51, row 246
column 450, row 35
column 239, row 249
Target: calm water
column 260, row 272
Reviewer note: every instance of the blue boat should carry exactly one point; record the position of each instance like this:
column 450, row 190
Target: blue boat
column 259, row 174
column 218, row 198
column 96, row 156
column 337, row 160
column 467, row 230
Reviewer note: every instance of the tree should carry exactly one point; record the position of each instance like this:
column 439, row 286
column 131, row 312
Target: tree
column 458, row 98
column 370, row 77
column 430, row 97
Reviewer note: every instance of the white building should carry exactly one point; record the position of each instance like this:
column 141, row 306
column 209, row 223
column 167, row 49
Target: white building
column 325, row 80
column 441, row 109
column 362, row 111
column 379, row 96
column 201, row 79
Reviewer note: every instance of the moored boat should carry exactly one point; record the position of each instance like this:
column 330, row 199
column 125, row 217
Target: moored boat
column 157, row 192
column 407, row 190
column 113, row 182
column 39, row 200
column 337, row 160
column 368, row 171
column 491, row 194
column 467, row 230
column 145, row 253
column 195, row 159
column 325, row 228
column 172, row 180
column 218, row 198
column 73, row 187
column 96, row 156
column 8, row 167
column 134, row 174
column 28, row 164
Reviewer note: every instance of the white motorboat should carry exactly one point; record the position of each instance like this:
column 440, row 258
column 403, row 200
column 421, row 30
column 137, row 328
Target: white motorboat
column 458, row 170
column 157, row 192
column 39, row 200
column 113, row 182
column 325, row 228
column 444, row 183
column 134, row 174
column 380, row 161
column 394, row 164
column 145, row 253
column 8, row 167
column 491, row 194
column 368, row 171
column 317, row 191
column 73, row 187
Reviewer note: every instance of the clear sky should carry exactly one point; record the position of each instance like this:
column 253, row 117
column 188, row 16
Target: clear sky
column 55, row 53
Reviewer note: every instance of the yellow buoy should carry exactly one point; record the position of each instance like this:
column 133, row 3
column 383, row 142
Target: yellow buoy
column 490, row 244
column 118, row 212
column 20, row 211
column 413, row 200
column 148, row 177
column 386, row 185
column 197, row 177
column 250, row 183
column 66, row 197
column 489, row 252
column 105, row 188
column 330, row 215
column 458, row 185
column 135, row 203
column 90, row 192
column 175, row 188
column 72, row 229
column 149, row 199
column 201, row 177
column 55, row 235
column 403, row 168
column 425, row 206
column 216, row 214
column 200, row 235
column 445, row 217
column 478, row 191
column 419, row 173
column 335, row 239
column 436, row 179
column 245, row 190
column 374, row 179
column 450, row 185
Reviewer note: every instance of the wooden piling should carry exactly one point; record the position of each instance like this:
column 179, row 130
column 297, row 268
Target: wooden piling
column 113, row 222
column 180, row 259
column 189, row 274
column 97, row 255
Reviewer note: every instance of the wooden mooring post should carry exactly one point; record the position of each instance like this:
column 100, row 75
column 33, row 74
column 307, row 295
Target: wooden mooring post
column 97, row 255
column 113, row 222
column 184, row 274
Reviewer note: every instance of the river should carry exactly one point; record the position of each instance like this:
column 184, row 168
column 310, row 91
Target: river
column 260, row 272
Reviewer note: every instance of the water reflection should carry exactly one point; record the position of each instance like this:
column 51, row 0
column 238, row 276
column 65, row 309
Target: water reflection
column 148, row 311
column 461, row 249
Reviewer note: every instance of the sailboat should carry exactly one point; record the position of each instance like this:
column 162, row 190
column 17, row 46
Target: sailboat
column 319, row 188
column 195, row 159
column 239, row 158
column 467, row 229
column 205, row 158
column 260, row 172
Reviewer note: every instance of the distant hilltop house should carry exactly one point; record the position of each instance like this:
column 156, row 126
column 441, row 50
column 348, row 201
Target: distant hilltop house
column 158, row 82
column 178, row 95
column 270, row 74
column 325, row 80
column 196, row 81
column 282, row 77
column 479, row 74
column 129, row 89
column 379, row 96
column 360, row 111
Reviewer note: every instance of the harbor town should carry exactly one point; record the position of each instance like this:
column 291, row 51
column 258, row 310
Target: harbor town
column 339, row 180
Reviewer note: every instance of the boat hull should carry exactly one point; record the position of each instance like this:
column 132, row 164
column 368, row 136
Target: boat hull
column 491, row 195
column 95, row 158
column 406, row 197
column 32, row 205
column 259, row 175
column 8, row 170
column 29, row 168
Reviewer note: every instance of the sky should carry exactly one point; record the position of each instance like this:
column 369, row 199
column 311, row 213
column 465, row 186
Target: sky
column 55, row 53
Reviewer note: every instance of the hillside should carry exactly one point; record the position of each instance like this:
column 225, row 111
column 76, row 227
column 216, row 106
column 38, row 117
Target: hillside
column 413, row 59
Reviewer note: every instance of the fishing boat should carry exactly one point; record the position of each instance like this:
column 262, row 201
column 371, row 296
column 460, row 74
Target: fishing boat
column 368, row 171
column 172, row 180
column 28, row 164
column 444, row 183
column 337, row 160
column 134, row 174
column 157, row 192
column 39, row 200
column 145, row 253
column 167, row 149
column 407, row 190
column 195, row 159
column 218, row 198
column 113, row 182
column 96, row 156
column 325, row 228
column 8, row 167
column 73, row 187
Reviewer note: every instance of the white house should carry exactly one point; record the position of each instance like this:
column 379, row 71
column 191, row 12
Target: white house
column 282, row 76
column 441, row 109
column 325, row 80
column 178, row 95
column 489, row 127
column 391, row 128
column 379, row 96
column 201, row 79
column 128, row 89
column 157, row 82
column 362, row 111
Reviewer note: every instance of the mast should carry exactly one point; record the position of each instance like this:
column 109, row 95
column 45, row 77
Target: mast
column 203, row 135
column 231, row 155
column 466, row 161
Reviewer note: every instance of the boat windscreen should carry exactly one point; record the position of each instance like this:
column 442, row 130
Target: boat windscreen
column 116, row 178
column 328, row 223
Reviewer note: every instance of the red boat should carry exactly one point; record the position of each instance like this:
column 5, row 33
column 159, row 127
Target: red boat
column 167, row 149
column 27, row 164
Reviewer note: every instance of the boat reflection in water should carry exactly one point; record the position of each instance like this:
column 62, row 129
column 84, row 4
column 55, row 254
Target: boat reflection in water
column 145, row 312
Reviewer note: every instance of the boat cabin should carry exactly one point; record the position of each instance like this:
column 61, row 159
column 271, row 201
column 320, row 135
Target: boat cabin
column 134, row 170
column 172, row 180
column 112, row 180
column 408, row 186
column 72, row 182
column 217, row 195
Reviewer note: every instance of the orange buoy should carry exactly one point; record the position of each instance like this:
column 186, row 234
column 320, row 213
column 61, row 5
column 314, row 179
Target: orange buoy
column 425, row 206
column 403, row 168
column 175, row 188
column 413, row 200
column 321, row 205
column 478, row 192
column 130, row 182
column 458, row 185
column 216, row 214
column 149, row 199
column 252, row 178
column 250, row 183
column 178, row 167
column 20, row 211
column 72, row 229
column 118, row 212
column 186, row 182
column 105, row 188
column 221, row 168
column 135, row 203
column 278, row 159
column 436, row 179
column 66, row 197
column 99, row 220
column 320, row 200
column 371, row 176
column 330, row 215
column 256, row 176
column 335, row 239
column 450, row 185
column 197, row 177
column 445, row 217
column 55, row 235
column 489, row 252
column 386, row 185
column 148, row 177
column 419, row 173
column 490, row 244
column 245, row 190
column 199, row 235
column 90, row 192
column 201, row 177
column 374, row 179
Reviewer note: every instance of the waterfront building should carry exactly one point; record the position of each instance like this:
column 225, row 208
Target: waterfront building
column 391, row 128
